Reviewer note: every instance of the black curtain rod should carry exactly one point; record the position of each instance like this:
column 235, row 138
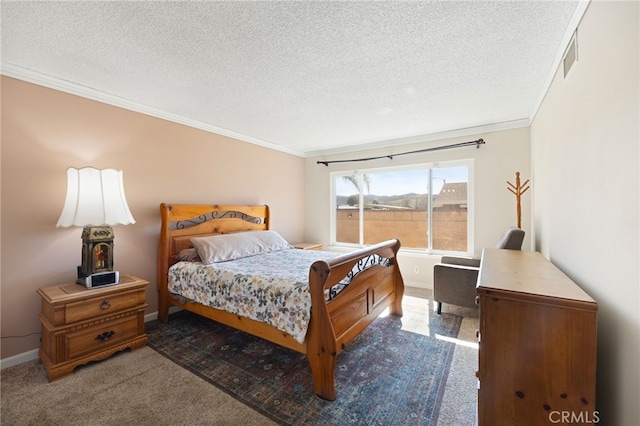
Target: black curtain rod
column 477, row 143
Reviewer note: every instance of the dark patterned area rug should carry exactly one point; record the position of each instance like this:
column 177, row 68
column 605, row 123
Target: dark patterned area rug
column 386, row 376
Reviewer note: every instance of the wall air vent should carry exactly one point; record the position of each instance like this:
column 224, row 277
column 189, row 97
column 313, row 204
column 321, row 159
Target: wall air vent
column 571, row 54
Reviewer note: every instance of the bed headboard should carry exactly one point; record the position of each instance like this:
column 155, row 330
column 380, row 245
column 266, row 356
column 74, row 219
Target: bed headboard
column 180, row 222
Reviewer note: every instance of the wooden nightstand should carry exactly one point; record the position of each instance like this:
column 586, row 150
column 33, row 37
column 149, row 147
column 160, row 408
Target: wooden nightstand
column 81, row 325
column 307, row 246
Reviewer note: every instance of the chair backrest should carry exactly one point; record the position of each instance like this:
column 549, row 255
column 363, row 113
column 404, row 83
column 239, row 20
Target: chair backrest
column 511, row 239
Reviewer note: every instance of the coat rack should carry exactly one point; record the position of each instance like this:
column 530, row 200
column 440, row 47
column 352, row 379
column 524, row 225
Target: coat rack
column 518, row 189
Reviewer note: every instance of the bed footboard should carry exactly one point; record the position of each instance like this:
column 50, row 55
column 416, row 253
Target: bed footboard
column 337, row 322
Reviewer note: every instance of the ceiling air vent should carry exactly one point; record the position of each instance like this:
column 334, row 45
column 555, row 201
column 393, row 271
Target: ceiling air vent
column 571, row 55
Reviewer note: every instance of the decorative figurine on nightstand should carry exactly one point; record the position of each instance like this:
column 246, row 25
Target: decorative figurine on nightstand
column 97, row 250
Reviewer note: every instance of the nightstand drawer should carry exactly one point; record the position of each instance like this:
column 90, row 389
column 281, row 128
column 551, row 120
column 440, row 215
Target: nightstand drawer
column 101, row 336
column 80, row 325
column 97, row 306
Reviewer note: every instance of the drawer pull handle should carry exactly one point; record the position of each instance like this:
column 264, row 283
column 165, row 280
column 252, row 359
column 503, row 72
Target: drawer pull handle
column 105, row 336
column 105, row 305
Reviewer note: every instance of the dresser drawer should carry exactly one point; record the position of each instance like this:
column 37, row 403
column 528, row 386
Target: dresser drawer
column 101, row 336
column 91, row 308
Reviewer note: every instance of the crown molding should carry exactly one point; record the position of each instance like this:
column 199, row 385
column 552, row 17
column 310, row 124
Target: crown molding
column 50, row 82
column 65, row 86
column 571, row 29
column 429, row 137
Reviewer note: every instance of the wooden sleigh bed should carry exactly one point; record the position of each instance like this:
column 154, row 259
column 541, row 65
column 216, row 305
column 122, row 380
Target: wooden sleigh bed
column 334, row 321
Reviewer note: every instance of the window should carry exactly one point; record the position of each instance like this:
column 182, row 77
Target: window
column 427, row 207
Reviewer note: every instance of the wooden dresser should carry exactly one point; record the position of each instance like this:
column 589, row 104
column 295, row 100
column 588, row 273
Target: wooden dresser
column 81, row 325
column 537, row 356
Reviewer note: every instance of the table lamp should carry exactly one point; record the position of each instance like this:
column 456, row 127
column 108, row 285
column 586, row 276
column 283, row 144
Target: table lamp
column 95, row 200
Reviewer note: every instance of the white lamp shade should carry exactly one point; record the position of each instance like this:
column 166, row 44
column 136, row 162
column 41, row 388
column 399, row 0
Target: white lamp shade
column 95, row 197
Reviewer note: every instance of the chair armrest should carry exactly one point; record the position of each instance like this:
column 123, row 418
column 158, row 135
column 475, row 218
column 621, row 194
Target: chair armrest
column 475, row 263
column 455, row 284
column 447, row 274
column 448, row 269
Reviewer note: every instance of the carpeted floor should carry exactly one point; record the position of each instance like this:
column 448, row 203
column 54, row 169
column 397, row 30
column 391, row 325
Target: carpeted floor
column 140, row 388
column 145, row 388
column 387, row 375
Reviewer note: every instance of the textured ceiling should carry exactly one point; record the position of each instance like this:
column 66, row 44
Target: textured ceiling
column 303, row 77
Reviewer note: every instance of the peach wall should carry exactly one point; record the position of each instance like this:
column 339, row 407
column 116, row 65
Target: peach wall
column 45, row 131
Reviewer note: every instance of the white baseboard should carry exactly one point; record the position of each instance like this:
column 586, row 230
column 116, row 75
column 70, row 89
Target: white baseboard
column 151, row 317
column 33, row 354
column 154, row 315
column 18, row 359
column 417, row 284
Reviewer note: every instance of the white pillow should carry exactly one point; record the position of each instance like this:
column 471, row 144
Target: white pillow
column 219, row 248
